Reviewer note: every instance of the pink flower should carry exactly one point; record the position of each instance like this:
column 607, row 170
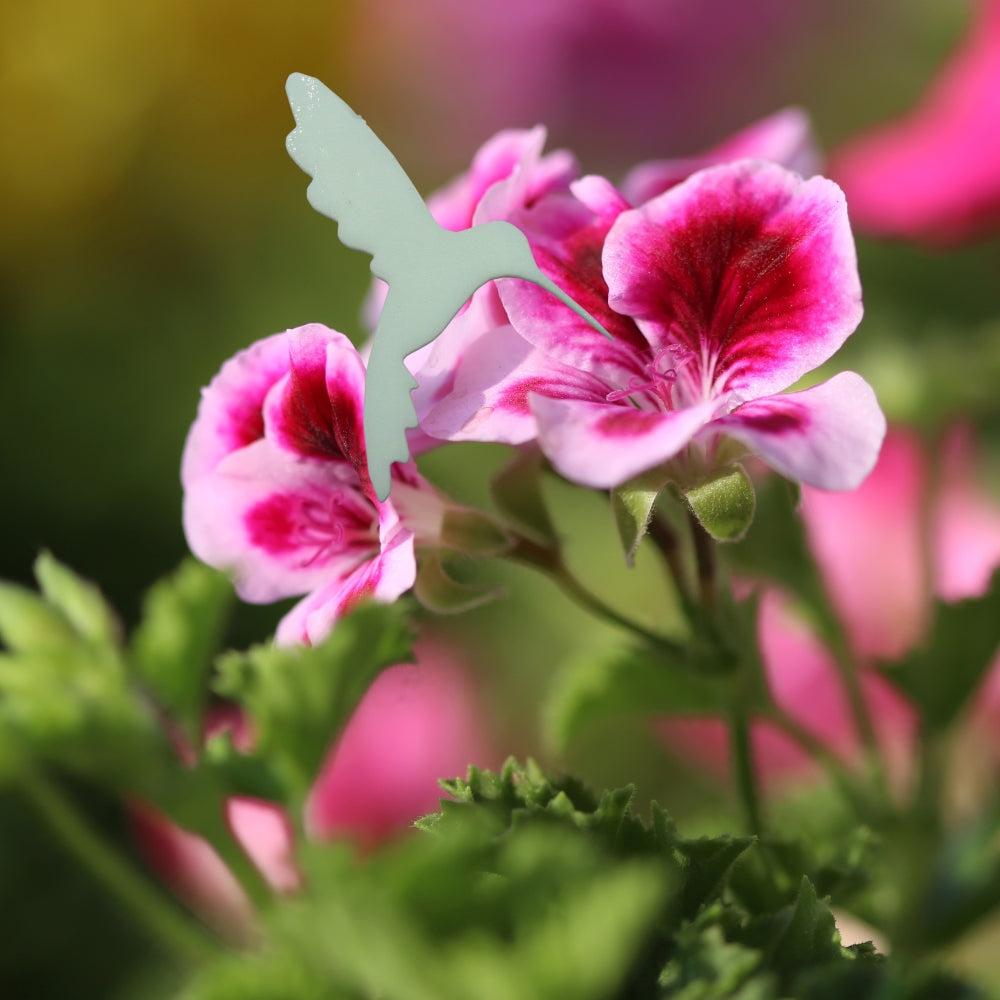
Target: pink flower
column 884, row 552
column 934, row 174
column 720, row 292
column 276, row 485
column 417, row 723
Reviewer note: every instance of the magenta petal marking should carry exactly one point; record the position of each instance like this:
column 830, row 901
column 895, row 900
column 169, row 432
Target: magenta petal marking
column 827, row 436
column 603, row 445
column 572, row 259
column 748, row 266
column 279, row 525
column 345, row 386
column 314, row 413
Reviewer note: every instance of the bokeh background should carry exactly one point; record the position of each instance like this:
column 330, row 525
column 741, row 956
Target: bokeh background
column 153, row 224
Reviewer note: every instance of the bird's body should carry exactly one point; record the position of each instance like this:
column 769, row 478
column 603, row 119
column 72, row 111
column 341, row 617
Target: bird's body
column 431, row 271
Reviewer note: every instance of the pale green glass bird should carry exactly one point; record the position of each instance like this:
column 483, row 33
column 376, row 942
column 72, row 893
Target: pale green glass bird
column 431, row 271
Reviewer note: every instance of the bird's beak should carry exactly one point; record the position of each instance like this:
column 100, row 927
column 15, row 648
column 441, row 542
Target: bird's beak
column 550, row 286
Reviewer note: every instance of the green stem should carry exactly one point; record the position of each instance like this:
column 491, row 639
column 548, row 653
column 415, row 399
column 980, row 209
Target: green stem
column 860, row 714
column 739, row 723
column 165, row 923
column 549, row 561
column 668, row 543
column 743, row 765
column 926, row 805
column 704, row 553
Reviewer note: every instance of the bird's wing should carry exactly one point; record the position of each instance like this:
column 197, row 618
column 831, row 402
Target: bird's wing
column 356, row 180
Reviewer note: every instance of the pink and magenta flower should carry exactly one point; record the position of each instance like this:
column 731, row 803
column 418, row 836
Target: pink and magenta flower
column 276, row 485
column 720, row 292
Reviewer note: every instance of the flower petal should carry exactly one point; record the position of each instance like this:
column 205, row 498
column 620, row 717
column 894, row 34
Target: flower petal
column 784, row 137
column 383, row 578
column 317, row 410
column 280, row 526
column 437, row 365
column 567, row 246
column 230, row 414
column 489, row 400
column 747, row 266
column 602, row 445
column 827, row 436
column 513, row 159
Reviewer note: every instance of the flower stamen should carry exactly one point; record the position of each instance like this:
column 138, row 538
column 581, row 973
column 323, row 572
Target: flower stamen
column 661, row 375
column 321, row 527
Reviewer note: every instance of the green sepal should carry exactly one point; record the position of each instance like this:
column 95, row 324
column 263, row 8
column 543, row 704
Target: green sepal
column 517, row 491
column 473, row 533
column 439, row 592
column 724, row 505
column 632, row 506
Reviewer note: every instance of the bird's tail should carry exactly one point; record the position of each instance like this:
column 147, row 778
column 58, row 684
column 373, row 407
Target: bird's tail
column 389, row 411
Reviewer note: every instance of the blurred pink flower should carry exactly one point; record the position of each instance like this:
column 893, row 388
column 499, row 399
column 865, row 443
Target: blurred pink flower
column 933, row 175
column 904, row 537
column 417, row 723
column 616, row 78
column 720, row 291
column 804, row 682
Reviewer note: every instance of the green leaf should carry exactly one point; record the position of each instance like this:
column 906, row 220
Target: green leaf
column 28, row 624
column 709, row 861
column 632, row 505
column 810, row 936
column 634, row 681
column 947, row 668
column 300, row 698
column 439, row 592
column 173, row 647
column 705, row 966
column 517, row 490
column 725, row 505
column 586, row 945
column 78, row 600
